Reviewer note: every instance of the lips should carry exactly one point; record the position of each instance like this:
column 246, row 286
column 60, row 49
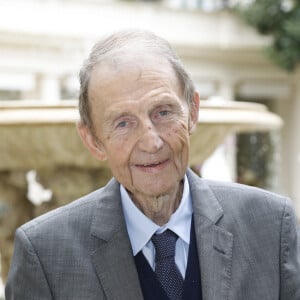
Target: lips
column 152, row 166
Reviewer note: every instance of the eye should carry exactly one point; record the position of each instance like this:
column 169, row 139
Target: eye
column 164, row 113
column 122, row 124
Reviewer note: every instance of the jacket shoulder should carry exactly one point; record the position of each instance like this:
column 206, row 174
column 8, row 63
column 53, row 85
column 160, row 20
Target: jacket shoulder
column 250, row 206
column 76, row 211
column 228, row 192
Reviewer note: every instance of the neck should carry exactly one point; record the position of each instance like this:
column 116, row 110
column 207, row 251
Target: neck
column 159, row 208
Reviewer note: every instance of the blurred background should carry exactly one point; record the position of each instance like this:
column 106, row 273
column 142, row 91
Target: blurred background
column 241, row 51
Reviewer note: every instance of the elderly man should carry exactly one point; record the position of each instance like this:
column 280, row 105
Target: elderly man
column 156, row 231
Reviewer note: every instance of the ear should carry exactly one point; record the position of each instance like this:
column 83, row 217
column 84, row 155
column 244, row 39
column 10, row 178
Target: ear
column 91, row 142
column 194, row 110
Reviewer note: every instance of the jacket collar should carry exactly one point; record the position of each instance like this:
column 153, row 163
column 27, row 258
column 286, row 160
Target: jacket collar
column 214, row 243
column 205, row 203
column 111, row 251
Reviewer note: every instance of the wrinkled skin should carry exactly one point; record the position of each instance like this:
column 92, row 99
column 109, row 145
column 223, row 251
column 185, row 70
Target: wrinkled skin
column 141, row 126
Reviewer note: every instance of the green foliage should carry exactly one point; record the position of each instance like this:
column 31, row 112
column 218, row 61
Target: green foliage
column 281, row 20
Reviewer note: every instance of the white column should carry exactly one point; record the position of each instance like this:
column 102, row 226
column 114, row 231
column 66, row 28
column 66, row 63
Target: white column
column 294, row 150
column 226, row 89
column 48, row 87
column 227, row 92
column 226, row 152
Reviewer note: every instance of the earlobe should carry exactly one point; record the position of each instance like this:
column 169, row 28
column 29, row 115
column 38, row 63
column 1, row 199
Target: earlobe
column 91, row 142
column 194, row 110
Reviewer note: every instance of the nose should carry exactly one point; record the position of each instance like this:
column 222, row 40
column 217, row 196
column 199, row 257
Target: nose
column 150, row 140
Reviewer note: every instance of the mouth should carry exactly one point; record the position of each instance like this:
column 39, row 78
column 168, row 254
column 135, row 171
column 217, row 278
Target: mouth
column 152, row 166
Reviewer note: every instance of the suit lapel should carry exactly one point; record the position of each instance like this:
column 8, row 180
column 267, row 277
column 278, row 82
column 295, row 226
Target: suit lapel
column 112, row 254
column 213, row 242
column 111, row 250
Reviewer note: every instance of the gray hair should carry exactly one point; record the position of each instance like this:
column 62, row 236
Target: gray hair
column 125, row 40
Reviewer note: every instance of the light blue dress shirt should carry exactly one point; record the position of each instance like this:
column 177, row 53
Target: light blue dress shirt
column 140, row 228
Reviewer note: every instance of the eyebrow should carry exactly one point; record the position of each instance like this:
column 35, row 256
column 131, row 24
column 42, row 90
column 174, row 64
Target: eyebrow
column 165, row 98
column 111, row 116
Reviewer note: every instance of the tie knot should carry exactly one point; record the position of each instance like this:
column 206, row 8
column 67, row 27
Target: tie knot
column 164, row 244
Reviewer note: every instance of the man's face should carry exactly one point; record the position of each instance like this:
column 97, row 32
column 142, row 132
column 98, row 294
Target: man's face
column 141, row 125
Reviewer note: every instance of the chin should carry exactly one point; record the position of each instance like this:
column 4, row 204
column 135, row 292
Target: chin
column 156, row 185
column 157, row 190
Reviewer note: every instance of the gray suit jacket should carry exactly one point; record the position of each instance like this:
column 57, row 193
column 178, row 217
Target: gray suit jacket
column 246, row 238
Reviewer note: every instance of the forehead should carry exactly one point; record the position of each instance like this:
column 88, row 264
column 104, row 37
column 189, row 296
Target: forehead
column 121, row 74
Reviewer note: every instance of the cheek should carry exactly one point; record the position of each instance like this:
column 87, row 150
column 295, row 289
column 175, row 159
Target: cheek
column 180, row 133
column 178, row 139
column 118, row 151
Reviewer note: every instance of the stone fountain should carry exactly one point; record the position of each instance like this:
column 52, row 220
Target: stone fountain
column 44, row 165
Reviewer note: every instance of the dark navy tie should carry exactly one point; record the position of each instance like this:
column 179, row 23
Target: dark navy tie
column 165, row 268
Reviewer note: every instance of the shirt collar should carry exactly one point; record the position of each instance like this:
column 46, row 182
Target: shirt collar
column 140, row 228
